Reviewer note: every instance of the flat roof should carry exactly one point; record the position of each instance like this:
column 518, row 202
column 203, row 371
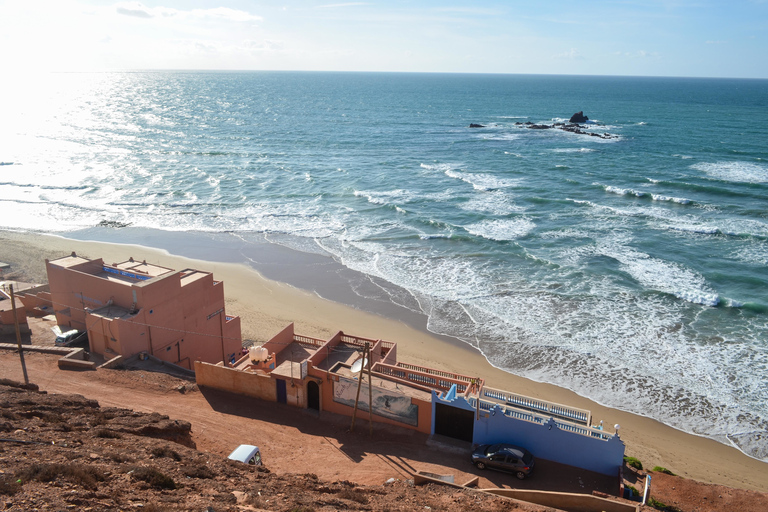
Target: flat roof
column 141, row 268
column 379, row 382
column 190, row 275
column 112, row 312
column 70, row 261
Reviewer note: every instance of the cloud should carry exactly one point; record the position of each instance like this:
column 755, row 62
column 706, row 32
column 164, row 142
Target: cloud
column 225, row 13
column 139, row 10
column 133, row 9
column 639, row 54
column 572, row 54
column 265, row 45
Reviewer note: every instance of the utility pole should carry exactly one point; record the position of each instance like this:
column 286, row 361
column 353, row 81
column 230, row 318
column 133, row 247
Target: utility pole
column 18, row 337
column 359, row 385
column 370, row 392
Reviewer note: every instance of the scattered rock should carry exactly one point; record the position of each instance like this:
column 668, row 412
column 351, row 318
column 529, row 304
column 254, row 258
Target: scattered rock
column 475, row 125
column 578, row 117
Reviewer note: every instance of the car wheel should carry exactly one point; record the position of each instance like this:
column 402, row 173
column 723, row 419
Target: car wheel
column 480, row 465
column 520, row 475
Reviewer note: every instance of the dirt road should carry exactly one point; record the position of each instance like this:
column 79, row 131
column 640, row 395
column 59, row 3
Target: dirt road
column 292, row 440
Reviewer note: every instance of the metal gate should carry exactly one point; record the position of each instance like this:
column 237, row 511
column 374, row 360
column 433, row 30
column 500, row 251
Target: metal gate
column 454, row 422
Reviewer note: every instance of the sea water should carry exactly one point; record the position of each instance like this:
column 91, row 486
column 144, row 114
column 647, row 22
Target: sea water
column 631, row 269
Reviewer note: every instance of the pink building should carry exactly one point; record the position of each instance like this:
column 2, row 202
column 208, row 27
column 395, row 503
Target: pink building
column 132, row 307
column 7, row 322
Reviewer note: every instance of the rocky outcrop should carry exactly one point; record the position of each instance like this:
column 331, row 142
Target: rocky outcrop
column 475, row 125
column 578, row 117
column 567, row 127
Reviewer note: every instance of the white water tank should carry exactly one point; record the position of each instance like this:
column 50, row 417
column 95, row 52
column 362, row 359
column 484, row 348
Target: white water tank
column 258, row 353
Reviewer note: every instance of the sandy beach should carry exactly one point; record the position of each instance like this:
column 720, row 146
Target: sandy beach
column 266, row 306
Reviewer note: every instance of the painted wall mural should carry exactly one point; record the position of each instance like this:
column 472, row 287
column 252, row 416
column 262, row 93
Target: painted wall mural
column 386, row 403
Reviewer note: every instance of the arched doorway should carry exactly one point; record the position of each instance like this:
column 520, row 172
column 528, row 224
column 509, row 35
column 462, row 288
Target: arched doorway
column 313, row 395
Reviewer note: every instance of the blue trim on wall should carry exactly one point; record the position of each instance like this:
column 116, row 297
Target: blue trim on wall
column 545, row 440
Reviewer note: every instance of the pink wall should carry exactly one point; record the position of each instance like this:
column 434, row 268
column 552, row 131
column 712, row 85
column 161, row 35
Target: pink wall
column 171, row 320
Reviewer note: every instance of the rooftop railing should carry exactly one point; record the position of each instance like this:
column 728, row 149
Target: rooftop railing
column 306, row 340
column 533, row 417
column 421, row 376
column 555, row 410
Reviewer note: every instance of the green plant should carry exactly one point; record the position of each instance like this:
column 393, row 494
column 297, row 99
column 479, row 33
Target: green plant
column 633, row 462
column 9, row 485
column 153, row 477
column 661, row 506
column 659, row 469
column 632, row 491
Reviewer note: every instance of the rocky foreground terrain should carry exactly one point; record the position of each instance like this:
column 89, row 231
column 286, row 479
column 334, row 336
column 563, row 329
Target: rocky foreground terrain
column 65, row 452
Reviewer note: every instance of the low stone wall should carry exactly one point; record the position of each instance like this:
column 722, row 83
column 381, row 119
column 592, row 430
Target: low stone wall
column 215, row 376
column 565, row 500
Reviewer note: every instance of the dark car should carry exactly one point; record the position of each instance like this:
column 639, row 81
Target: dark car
column 71, row 338
column 504, row 457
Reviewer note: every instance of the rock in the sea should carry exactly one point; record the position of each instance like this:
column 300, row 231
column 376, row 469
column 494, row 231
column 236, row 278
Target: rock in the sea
column 475, row 125
column 578, row 117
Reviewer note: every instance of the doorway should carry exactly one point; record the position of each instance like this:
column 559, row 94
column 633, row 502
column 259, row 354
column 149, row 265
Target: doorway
column 313, row 395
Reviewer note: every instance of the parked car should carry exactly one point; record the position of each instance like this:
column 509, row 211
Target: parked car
column 504, row 457
column 71, row 338
column 247, row 454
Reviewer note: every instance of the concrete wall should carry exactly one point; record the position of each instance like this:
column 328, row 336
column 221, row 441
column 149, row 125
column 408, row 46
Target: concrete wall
column 546, row 441
column 173, row 322
column 565, row 501
column 235, row 381
column 37, row 301
column 6, row 312
column 330, row 403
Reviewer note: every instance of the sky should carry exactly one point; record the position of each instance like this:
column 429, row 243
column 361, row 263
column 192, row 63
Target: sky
column 700, row 38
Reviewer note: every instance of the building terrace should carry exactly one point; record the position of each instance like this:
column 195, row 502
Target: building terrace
column 317, row 374
column 134, row 306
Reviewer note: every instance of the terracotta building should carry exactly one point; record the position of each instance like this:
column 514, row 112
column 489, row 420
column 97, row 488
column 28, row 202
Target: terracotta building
column 134, row 306
column 334, row 376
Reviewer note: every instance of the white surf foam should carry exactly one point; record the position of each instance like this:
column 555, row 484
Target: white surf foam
column 573, row 150
column 744, row 172
column 484, row 181
column 502, row 229
column 495, row 202
column 659, row 275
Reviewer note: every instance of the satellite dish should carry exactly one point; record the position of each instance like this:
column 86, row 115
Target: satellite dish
column 359, row 365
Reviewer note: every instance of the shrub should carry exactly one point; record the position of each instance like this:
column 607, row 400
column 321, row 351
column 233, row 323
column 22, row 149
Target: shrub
column 661, row 506
column 633, row 462
column 107, row 434
column 119, row 457
column 78, row 474
column 659, row 469
column 9, row 485
column 153, row 477
column 164, row 451
column 353, row 495
column 198, row 472
column 632, row 491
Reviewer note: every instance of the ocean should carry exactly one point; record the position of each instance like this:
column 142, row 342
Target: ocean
column 629, row 267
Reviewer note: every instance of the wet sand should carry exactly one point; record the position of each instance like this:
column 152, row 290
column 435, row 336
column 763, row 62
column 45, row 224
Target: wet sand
column 265, row 306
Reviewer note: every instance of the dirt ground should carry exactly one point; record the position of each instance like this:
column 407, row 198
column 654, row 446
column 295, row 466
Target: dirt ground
column 296, row 442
